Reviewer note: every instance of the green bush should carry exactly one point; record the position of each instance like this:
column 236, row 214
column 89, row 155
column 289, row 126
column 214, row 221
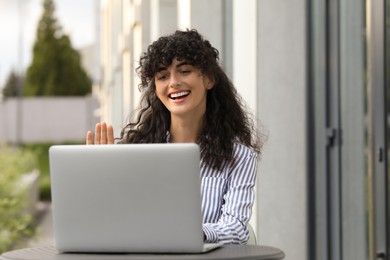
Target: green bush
column 15, row 222
column 41, row 151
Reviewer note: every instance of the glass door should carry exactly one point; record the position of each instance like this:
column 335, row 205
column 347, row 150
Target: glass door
column 350, row 96
column 377, row 125
column 387, row 118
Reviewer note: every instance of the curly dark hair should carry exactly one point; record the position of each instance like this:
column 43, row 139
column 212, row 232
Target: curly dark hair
column 226, row 119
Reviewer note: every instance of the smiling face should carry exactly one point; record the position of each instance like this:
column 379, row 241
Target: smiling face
column 182, row 88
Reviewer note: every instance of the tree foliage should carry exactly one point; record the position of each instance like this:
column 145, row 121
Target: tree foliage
column 56, row 67
column 13, row 85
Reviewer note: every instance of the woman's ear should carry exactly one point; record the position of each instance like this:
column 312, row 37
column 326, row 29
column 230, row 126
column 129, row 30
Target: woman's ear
column 210, row 82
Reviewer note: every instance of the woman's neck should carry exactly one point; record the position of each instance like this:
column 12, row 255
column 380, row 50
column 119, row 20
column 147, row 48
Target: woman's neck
column 185, row 131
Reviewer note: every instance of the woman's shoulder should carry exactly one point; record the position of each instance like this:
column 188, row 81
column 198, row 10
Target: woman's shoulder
column 242, row 151
column 243, row 155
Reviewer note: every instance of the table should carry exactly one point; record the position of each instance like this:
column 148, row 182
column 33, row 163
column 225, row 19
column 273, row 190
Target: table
column 226, row 252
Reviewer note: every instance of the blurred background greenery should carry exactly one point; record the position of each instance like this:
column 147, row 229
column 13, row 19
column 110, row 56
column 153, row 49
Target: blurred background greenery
column 56, row 70
column 15, row 222
column 41, row 152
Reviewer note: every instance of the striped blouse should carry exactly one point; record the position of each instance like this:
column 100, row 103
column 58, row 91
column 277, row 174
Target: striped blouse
column 228, row 196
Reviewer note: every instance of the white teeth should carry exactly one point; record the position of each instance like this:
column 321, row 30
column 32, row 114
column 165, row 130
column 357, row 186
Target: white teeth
column 179, row 94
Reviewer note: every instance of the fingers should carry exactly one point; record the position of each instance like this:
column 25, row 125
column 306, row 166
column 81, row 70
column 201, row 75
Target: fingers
column 110, row 134
column 89, row 138
column 97, row 133
column 104, row 134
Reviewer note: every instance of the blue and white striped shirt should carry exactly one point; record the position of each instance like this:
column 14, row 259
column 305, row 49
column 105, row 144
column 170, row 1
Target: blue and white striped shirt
column 228, row 196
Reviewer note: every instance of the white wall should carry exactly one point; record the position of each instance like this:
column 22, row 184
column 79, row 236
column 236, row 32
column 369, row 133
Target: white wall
column 32, row 120
column 245, row 61
column 282, row 196
column 207, row 18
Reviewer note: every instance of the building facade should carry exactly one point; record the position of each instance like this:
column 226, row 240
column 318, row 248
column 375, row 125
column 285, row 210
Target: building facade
column 313, row 72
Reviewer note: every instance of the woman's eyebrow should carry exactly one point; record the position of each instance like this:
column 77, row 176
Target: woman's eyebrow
column 181, row 64
column 162, row 67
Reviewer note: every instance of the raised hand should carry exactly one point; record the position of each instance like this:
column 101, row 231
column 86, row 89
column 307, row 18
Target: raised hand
column 104, row 134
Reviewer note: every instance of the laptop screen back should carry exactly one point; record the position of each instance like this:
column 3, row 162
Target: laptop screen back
column 126, row 198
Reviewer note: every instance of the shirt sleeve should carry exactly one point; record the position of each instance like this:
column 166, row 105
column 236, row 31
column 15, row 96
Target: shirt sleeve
column 238, row 201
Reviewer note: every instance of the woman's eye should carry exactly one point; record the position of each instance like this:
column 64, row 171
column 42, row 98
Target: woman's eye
column 161, row 77
column 185, row 71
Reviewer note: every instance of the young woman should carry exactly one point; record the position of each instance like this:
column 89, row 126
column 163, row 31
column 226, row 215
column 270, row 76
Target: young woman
column 187, row 97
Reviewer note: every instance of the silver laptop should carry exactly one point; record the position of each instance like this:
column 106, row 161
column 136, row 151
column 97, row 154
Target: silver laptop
column 127, row 198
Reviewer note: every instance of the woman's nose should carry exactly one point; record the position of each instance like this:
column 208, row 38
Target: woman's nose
column 174, row 81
